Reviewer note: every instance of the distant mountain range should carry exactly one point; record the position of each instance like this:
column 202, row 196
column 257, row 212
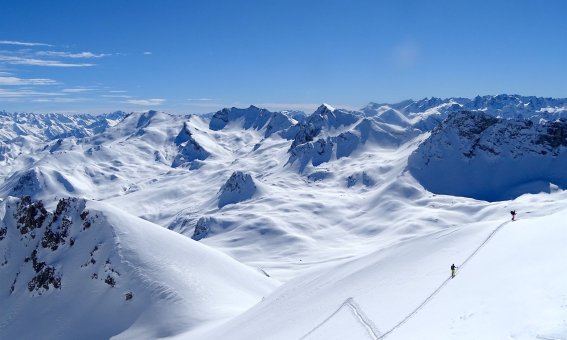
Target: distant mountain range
column 86, row 201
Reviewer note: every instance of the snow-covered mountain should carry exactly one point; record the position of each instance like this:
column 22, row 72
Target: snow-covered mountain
column 476, row 155
column 90, row 270
column 22, row 134
column 426, row 113
column 358, row 214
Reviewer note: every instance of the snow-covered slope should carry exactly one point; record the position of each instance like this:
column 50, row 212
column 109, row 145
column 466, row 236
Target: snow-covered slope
column 510, row 284
column 88, row 270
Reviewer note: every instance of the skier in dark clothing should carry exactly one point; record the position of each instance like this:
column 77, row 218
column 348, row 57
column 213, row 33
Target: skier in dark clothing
column 513, row 212
column 453, row 270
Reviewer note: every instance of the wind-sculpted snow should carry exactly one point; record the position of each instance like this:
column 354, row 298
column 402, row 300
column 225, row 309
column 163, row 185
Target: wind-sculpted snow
column 38, row 180
column 476, row 155
column 87, row 270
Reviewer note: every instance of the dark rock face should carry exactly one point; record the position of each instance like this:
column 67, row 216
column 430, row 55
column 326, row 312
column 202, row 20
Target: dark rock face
column 470, row 124
column 252, row 118
column 202, row 229
column 476, row 155
column 45, row 278
column 239, row 187
column 307, row 132
column 3, row 232
column 278, row 122
column 207, row 226
column 189, row 149
column 49, row 239
column 30, row 215
column 556, row 134
column 357, row 178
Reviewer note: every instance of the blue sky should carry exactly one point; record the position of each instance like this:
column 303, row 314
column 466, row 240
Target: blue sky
column 200, row 56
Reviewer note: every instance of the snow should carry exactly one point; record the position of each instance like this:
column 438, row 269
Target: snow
column 329, row 205
column 513, row 287
column 177, row 284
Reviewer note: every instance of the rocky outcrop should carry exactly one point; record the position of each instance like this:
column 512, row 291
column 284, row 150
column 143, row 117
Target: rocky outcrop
column 360, row 178
column 476, row 155
column 37, row 242
column 208, row 226
column 189, row 149
column 239, row 187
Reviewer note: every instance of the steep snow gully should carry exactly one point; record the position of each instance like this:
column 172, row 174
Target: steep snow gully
column 367, row 323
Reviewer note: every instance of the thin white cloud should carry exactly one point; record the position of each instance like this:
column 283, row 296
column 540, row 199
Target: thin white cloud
column 76, row 90
column 57, row 100
column 39, row 62
column 146, row 102
column 80, row 55
column 199, row 99
column 118, row 91
column 22, row 93
column 22, row 82
column 21, row 43
column 147, row 53
column 115, row 96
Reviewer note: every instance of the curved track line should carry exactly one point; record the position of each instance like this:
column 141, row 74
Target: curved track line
column 369, row 325
column 363, row 319
column 418, row 308
column 325, row 321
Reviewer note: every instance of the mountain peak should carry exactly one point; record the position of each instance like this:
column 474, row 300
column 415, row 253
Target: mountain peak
column 324, row 109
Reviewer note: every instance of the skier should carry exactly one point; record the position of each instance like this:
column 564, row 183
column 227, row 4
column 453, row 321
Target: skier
column 453, row 270
column 513, row 212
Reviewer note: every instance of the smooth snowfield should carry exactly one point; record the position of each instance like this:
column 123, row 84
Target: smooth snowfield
column 512, row 288
column 177, row 283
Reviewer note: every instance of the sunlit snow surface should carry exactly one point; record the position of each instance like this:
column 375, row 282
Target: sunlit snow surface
column 350, row 239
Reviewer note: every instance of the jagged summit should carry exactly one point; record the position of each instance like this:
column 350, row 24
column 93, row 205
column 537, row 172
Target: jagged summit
column 324, row 109
column 189, row 149
column 252, row 118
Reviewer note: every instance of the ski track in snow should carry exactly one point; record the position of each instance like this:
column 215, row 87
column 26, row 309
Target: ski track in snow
column 416, row 310
column 363, row 319
column 547, row 337
column 372, row 330
column 369, row 325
